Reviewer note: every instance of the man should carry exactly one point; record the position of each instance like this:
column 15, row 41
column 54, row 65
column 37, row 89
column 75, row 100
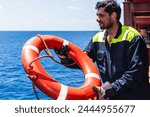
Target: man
column 120, row 54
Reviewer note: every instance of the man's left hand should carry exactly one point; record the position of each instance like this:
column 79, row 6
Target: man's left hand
column 104, row 92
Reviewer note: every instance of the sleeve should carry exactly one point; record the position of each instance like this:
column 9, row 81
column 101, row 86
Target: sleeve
column 137, row 72
column 90, row 50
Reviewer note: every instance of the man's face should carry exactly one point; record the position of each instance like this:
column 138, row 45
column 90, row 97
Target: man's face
column 104, row 19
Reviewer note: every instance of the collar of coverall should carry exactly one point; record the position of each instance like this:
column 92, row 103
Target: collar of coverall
column 117, row 34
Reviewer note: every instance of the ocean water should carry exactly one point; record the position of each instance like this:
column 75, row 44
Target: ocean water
column 14, row 84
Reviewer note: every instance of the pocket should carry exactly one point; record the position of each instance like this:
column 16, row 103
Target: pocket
column 101, row 55
column 101, row 62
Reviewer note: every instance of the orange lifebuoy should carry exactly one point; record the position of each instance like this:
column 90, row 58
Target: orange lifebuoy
column 49, row 85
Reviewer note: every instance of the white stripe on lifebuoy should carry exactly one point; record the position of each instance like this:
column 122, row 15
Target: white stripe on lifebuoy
column 91, row 75
column 65, row 42
column 31, row 47
column 63, row 92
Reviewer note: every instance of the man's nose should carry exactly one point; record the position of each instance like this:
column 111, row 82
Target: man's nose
column 98, row 19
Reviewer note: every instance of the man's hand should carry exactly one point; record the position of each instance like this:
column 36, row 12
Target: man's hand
column 62, row 53
column 104, row 92
column 100, row 92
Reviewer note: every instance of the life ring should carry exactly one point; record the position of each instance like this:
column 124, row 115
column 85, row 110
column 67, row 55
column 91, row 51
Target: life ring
column 49, row 85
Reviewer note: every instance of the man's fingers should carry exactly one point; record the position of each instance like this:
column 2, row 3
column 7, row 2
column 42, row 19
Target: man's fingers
column 96, row 89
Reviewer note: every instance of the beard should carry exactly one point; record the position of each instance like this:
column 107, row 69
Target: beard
column 107, row 25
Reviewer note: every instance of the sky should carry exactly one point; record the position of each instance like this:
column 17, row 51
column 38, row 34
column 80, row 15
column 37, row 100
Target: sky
column 49, row 15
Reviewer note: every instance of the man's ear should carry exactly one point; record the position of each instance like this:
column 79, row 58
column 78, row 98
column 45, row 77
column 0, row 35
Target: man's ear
column 114, row 15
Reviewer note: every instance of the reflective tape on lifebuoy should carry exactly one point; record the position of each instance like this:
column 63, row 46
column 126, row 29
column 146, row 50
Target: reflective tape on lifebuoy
column 48, row 84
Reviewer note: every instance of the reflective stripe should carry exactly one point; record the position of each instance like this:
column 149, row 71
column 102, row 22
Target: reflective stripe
column 91, row 75
column 101, row 37
column 125, row 30
column 63, row 92
column 65, row 42
column 31, row 47
column 125, row 35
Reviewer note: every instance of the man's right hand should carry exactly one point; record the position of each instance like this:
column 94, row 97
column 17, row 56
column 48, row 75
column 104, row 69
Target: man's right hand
column 62, row 53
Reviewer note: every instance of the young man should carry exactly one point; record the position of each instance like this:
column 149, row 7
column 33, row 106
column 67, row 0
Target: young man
column 121, row 56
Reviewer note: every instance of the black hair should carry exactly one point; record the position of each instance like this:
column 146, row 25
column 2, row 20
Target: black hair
column 110, row 6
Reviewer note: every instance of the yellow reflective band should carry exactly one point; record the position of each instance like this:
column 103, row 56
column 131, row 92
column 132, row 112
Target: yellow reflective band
column 99, row 37
column 127, row 34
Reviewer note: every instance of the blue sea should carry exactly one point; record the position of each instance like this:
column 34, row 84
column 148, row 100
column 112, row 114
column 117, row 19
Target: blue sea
column 14, row 84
